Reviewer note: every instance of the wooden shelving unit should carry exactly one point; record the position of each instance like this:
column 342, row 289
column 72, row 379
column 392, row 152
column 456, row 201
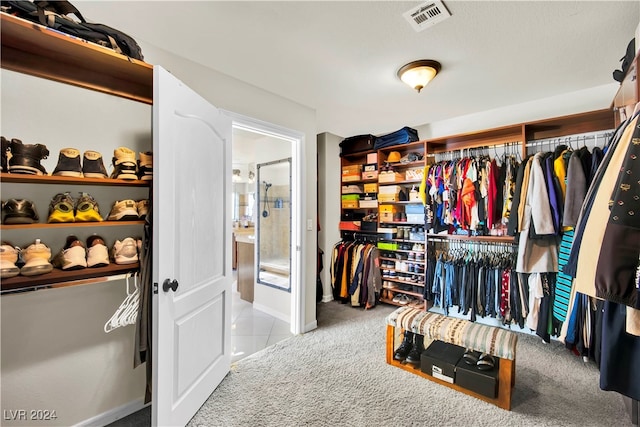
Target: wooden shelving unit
column 60, row 278
column 43, row 52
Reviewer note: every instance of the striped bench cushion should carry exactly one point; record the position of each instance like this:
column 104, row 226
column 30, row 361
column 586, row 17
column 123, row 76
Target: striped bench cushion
column 487, row 339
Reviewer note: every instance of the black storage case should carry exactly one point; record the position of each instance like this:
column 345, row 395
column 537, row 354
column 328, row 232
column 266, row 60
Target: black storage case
column 481, row 382
column 357, row 144
column 440, row 359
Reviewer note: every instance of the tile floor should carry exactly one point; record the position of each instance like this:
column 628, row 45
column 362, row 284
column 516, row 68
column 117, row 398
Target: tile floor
column 252, row 330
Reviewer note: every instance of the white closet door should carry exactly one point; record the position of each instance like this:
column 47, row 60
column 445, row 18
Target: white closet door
column 191, row 249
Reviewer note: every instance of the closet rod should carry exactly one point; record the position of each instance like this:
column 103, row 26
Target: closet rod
column 577, row 138
column 449, row 155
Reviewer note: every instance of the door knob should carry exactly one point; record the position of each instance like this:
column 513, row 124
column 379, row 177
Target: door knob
column 169, row 284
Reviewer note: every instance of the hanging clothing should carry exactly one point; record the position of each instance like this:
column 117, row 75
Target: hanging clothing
column 536, row 255
column 597, row 217
column 615, row 278
column 620, row 353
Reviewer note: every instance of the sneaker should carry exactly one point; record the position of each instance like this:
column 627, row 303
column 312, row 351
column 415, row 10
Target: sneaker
column 26, row 158
column 8, row 260
column 145, row 166
column 123, row 210
column 19, row 211
column 125, row 251
column 92, row 165
column 124, row 164
column 5, row 148
column 87, row 209
column 73, row 256
column 143, row 208
column 68, row 163
column 36, row 259
column 97, row 252
column 61, row 208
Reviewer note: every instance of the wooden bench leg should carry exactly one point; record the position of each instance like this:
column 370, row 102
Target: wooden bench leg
column 506, row 380
column 390, row 344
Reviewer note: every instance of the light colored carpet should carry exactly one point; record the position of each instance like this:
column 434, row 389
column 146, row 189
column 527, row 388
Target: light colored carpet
column 337, row 376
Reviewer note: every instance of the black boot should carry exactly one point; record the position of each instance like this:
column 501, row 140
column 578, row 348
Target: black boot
column 413, row 357
column 25, row 158
column 5, row 148
column 405, row 347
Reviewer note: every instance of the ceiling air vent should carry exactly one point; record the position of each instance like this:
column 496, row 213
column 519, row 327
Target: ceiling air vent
column 427, row 14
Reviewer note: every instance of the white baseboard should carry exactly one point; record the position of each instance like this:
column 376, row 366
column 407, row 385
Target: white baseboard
column 272, row 312
column 114, row 414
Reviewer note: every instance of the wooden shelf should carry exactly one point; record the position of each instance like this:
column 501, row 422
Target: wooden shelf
column 361, row 181
column 410, row 181
column 493, row 239
column 60, row 278
column 412, row 146
column 70, row 180
column 416, row 164
column 496, row 136
column 39, row 51
column 413, row 261
column 49, row 226
column 400, row 203
column 569, row 125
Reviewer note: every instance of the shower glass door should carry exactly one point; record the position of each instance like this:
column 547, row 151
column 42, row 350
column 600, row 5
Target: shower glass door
column 273, row 213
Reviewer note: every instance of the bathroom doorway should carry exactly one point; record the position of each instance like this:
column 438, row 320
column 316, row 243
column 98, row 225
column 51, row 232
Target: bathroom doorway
column 261, row 148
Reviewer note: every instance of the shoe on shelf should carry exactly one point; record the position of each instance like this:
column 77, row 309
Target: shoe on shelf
column 5, row 148
column 145, row 166
column 97, row 252
column 92, row 165
column 8, row 259
column 125, row 251
column 26, row 158
column 124, row 164
column 68, row 163
column 19, row 211
column 36, row 258
column 73, row 256
column 87, row 209
column 143, row 208
column 123, row 210
column 61, row 208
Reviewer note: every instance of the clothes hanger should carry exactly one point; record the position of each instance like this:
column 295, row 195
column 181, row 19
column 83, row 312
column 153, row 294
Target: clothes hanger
column 126, row 313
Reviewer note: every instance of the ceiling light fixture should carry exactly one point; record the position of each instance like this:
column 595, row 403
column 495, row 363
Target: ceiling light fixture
column 418, row 74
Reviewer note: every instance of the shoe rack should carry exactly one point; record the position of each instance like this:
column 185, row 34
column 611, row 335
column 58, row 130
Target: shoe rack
column 375, row 214
column 30, row 49
column 401, row 212
column 56, row 184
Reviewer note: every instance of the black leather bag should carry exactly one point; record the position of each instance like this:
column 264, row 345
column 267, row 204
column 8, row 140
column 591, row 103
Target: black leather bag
column 357, row 144
column 56, row 15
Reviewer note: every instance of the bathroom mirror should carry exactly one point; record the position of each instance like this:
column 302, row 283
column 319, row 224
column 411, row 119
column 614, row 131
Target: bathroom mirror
column 273, row 232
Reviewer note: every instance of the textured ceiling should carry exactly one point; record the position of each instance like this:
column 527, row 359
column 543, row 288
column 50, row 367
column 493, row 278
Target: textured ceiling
column 340, row 58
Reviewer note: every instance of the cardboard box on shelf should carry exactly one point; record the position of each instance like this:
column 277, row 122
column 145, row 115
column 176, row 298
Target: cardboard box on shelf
column 352, row 170
column 474, row 379
column 390, row 176
column 440, row 359
column 369, row 175
column 350, row 204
